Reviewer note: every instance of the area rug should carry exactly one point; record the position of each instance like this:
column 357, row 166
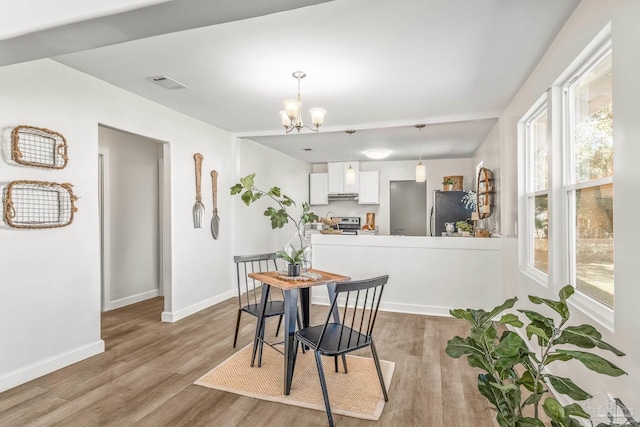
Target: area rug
column 356, row 394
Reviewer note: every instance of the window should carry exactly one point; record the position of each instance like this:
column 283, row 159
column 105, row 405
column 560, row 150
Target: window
column 537, row 189
column 588, row 178
column 566, row 183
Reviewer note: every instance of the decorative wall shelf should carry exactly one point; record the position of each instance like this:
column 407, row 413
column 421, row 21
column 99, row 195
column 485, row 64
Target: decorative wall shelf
column 485, row 192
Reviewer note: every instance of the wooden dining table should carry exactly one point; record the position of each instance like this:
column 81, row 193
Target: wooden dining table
column 291, row 289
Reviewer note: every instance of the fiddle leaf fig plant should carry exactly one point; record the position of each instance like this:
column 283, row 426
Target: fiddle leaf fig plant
column 278, row 215
column 516, row 377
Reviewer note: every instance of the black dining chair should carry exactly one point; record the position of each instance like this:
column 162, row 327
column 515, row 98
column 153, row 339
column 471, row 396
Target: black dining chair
column 249, row 290
column 337, row 337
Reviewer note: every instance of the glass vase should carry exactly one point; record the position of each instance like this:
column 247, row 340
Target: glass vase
column 298, row 244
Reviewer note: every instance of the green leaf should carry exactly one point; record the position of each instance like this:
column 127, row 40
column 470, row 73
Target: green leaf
column 247, row 181
column 246, row 197
column 529, row 422
column 270, row 211
column 575, row 410
column 487, row 317
column 460, row 313
column 274, row 191
column 256, row 196
column 236, row 189
column 511, row 319
column 532, row 399
column 534, row 316
column 457, row 347
column 554, row 409
column 585, row 336
column 527, row 380
column 568, row 387
column 510, row 344
column 502, row 421
column 556, row 356
column 505, row 388
column 559, row 307
column 479, row 361
column 539, row 332
column 566, row 292
column 594, row 362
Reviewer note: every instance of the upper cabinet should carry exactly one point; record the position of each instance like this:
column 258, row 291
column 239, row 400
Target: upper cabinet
column 338, row 177
column 319, row 189
column 369, row 188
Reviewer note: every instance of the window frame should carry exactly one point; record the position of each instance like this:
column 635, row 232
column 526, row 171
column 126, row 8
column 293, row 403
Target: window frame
column 527, row 217
column 589, row 305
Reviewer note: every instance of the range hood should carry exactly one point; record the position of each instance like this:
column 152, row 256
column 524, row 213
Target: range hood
column 343, row 196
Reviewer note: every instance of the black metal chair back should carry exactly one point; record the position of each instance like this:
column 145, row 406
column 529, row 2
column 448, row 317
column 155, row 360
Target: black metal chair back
column 249, row 289
column 346, row 329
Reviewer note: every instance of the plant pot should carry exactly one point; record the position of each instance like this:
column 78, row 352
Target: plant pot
column 293, row 270
column 447, row 187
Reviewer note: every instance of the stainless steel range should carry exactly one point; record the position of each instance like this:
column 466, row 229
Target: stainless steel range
column 348, row 224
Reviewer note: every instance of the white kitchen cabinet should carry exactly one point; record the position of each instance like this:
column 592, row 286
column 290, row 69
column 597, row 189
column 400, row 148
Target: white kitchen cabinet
column 338, row 177
column 319, row 189
column 369, row 188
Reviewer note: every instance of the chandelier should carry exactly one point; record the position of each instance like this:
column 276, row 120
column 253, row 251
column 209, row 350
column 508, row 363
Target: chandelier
column 291, row 116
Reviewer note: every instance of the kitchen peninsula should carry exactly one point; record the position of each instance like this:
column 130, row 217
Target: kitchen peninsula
column 427, row 275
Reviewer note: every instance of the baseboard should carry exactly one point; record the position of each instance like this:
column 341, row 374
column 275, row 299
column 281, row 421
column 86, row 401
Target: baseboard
column 48, row 365
column 398, row 307
column 174, row 316
column 122, row 302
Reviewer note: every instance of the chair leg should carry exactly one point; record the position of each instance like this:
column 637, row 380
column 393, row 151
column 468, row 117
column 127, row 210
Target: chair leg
column 264, row 323
column 279, row 324
column 323, row 385
column 299, row 327
column 235, row 337
column 335, row 360
column 344, row 363
column 377, row 361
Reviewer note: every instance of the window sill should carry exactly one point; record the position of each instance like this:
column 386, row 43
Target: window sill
column 593, row 309
column 536, row 275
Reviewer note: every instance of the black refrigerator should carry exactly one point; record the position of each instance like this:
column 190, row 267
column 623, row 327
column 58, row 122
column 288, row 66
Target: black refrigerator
column 447, row 207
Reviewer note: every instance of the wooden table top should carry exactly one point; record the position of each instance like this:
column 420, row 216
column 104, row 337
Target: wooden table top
column 272, row 278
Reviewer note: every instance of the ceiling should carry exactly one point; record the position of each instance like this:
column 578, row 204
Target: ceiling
column 378, row 67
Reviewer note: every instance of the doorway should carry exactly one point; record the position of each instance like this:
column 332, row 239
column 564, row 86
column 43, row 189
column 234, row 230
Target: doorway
column 131, row 193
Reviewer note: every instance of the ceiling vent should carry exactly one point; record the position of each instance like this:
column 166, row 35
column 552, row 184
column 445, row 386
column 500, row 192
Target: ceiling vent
column 166, row 82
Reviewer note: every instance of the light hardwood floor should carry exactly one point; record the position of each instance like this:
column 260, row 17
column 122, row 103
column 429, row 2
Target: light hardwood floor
column 145, row 377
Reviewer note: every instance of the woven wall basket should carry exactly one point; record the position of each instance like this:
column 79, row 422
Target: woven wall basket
column 39, row 147
column 38, row 204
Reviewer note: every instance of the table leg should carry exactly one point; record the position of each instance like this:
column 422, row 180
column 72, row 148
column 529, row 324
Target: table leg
column 305, row 300
column 260, row 322
column 290, row 316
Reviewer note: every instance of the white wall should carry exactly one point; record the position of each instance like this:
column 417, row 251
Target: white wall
column 252, row 230
column 589, row 18
column 398, row 171
column 489, row 154
column 132, row 222
column 50, row 292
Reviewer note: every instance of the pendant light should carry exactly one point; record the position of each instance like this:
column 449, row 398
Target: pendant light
column 351, row 174
column 421, row 173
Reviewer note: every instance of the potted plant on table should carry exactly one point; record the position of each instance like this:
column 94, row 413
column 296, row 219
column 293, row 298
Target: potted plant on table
column 294, row 261
column 464, row 228
column 447, row 184
column 515, row 378
column 298, row 247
